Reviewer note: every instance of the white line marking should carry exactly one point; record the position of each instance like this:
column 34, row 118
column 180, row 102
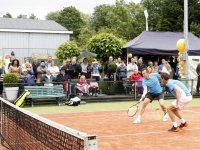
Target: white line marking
column 143, row 133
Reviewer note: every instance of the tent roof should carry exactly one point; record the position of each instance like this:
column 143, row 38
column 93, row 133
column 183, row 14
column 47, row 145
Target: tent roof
column 161, row 43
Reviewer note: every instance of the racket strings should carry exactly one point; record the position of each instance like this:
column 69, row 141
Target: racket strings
column 132, row 111
column 159, row 114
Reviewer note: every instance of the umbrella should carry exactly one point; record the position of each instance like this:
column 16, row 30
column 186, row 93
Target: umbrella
column 87, row 54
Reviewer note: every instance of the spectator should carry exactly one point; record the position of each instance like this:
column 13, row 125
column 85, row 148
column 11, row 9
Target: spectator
column 48, row 78
column 63, row 64
column 172, row 63
column 131, row 67
column 118, row 62
column 136, row 80
column 35, row 65
column 6, row 62
column 15, row 68
column 122, row 73
column 29, row 69
column 166, row 68
column 83, row 86
column 177, row 70
column 11, row 59
column 198, row 81
column 48, row 62
column 69, row 69
column 26, row 79
column 41, row 70
column 106, row 72
column 77, row 69
column 63, row 78
column 54, row 70
column 96, row 66
column 160, row 67
column 85, row 68
column 155, row 66
column 150, row 67
column 24, row 64
column 140, row 66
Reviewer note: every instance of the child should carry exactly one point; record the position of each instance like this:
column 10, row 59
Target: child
column 82, row 85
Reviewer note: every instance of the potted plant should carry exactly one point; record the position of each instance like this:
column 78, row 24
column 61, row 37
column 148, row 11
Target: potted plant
column 112, row 67
column 11, row 81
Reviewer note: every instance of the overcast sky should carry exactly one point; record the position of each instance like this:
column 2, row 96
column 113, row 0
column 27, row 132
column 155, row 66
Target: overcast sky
column 40, row 8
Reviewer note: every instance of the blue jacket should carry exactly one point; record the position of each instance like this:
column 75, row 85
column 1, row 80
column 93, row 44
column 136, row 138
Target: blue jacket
column 95, row 69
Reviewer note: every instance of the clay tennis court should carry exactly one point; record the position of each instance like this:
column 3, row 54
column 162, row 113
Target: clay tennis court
column 115, row 130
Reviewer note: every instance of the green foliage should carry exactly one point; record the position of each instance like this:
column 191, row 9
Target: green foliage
column 105, row 45
column 53, row 16
column 112, row 67
column 10, row 80
column 168, row 15
column 32, row 16
column 99, row 17
column 67, row 50
column 71, row 19
column 195, row 28
column 84, row 36
column 20, row 16
column 7, row 15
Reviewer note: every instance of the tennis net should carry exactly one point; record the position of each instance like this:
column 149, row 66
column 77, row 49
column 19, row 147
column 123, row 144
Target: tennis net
column 23, row 130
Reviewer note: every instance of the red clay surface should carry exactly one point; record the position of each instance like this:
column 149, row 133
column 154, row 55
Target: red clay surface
column 115, row 130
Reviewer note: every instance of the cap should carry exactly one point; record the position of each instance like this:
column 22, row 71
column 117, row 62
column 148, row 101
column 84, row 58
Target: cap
column 62, row 68
column 24, row 69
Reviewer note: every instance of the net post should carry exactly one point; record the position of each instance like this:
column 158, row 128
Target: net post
column 90, row 142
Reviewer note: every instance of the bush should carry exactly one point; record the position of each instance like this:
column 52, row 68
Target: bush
column 112, row 67
column 10, row 80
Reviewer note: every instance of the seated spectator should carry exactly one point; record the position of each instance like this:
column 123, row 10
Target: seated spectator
column 25, row 62
column 136, row 79
column 83, row 86
column 150, row 67
column 41, row 70
column 47, row 79
column 26, row 79
column 29, row 69
column 54, row 70
column 63, row 78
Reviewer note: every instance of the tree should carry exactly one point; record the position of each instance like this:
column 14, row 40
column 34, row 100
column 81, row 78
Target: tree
column 84, row 37
column 53, row 16
column 32, row 16
column 7, row 15
column 67, row 50
column 71, row 19
column 20, row 16
column 195, row 29
column 105, row 45
column 99, row 17
column 127, row 19
column 168, row 15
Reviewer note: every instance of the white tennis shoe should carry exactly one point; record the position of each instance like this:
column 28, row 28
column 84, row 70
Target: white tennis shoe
column 136, row 120
column 166, row 116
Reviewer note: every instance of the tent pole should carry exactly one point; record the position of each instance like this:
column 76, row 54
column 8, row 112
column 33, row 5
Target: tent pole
column 186, row 38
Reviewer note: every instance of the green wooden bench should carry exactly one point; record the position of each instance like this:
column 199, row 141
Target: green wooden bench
column 45, row 92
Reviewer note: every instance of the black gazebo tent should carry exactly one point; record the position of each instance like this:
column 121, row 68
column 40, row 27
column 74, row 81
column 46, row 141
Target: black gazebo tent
column 161, row 43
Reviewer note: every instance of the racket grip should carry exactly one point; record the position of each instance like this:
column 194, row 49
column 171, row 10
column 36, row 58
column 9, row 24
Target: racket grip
column 140, row 99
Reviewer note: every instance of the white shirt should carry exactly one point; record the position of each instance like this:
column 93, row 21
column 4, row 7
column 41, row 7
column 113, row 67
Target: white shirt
column 54, row 70
column 130, row 68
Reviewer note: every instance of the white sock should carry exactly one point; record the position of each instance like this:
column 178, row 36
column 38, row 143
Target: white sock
column 139, row 116
column 175, row 124
column 183, row 120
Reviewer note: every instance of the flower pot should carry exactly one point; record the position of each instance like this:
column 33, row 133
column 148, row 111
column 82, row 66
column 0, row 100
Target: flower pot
column 11, row 93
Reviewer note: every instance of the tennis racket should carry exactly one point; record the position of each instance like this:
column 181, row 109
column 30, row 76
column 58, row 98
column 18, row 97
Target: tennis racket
column 133, row 109
column 158, row 114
